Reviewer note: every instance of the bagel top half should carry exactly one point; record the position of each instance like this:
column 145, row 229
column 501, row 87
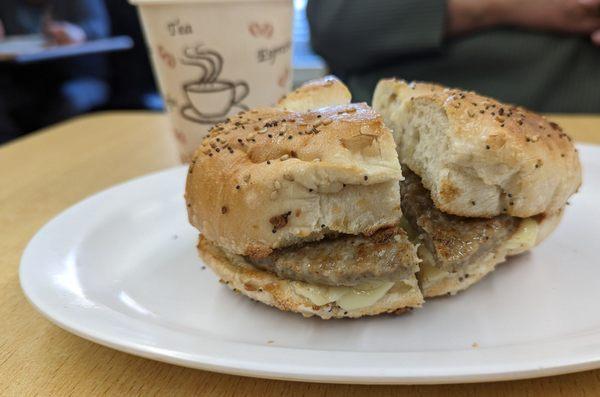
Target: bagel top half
column 477, row 156
column 274, row 177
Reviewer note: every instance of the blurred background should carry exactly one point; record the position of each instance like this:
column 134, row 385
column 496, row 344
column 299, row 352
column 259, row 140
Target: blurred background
column 63, row 58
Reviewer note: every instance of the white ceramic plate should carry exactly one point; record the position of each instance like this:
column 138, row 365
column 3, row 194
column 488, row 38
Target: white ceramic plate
column 120, row 268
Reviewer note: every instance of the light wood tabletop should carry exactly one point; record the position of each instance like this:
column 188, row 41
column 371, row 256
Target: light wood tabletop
column 47, row 172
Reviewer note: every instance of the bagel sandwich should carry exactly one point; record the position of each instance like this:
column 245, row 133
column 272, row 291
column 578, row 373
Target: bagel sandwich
column 298, row 207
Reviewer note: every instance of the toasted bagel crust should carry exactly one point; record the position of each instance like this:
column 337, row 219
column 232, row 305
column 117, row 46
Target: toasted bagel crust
column 271, row 290
column 446, row 283
column 479, row 157
column 315, row 94
column 271, row 178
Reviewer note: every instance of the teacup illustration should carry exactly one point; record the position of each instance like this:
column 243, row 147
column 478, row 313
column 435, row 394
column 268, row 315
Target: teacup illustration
column 210, row 99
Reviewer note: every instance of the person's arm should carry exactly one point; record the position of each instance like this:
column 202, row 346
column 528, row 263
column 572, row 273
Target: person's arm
column 89, row 15
column 466, row 16
column 352, row 34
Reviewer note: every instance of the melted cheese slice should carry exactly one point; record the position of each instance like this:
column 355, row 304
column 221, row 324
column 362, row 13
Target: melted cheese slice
column 429, row 273
column 359, row 297
column 348, row 298
column 319, row 294
column 525, row 237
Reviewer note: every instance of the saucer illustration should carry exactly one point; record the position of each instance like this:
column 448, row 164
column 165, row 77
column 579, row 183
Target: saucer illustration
column 190, row 113
column 210, row 99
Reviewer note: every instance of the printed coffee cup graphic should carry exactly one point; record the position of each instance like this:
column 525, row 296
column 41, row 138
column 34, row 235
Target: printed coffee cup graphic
column 210, row 99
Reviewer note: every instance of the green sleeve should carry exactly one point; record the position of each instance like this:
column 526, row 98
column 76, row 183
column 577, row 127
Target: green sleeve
column 354, row 34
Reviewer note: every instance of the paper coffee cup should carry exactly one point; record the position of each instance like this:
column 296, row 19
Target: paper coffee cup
column 215, row 58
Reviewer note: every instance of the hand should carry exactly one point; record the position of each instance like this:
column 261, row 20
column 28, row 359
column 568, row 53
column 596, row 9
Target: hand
column 568, row 16
column 63, row 33
column 594, row 7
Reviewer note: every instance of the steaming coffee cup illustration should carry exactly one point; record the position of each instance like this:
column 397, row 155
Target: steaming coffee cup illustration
column 209, row 98
column 215, row 99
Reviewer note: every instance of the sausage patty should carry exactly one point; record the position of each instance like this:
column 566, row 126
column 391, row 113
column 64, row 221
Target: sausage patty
column 454, row 241
column 346, row 260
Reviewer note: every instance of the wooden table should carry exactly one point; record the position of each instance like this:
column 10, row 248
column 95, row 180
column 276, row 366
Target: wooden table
column 47, row 172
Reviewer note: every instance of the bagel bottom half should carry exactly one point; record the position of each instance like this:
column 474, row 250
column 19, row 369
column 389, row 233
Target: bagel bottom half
column 437, row 282
column 265, row 287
